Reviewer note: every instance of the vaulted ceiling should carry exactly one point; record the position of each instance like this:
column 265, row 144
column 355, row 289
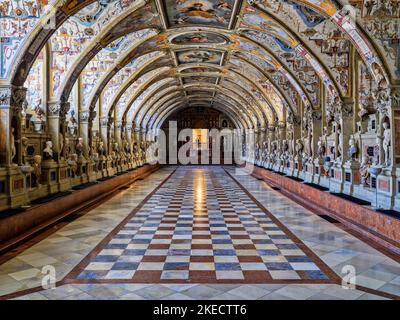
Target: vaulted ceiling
column 258, row 61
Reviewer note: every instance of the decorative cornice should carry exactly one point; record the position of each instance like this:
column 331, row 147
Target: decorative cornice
column 103, row 122
column 13, row 98
column 316, row 115
column 84, row 116
column 5, row 97
column 293, row 119
column 395, row 97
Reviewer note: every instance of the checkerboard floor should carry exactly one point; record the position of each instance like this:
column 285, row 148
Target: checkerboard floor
column 200, row 226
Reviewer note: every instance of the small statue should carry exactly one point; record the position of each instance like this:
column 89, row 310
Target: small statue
column 48, row 151
column 116, row 147
column 321, row 150
column 12, row 145
column 73, row 163
column 66, row 149
column 96, row 159
column 37, row 170
column 257, row 152
column 340, row 143
column 100, row 149
column 72, row 126
column 127, row 147
column 24, row 142
column 364, row 167
column 299, row 146
column 386, row 143
column 353, row 149
column 79, row 147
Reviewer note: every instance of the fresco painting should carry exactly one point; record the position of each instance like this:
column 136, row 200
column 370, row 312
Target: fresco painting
column 199, row 56
column 199, row 38
column 199, row 12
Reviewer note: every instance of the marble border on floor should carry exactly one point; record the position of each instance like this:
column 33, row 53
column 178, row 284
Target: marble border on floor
column 333, row 278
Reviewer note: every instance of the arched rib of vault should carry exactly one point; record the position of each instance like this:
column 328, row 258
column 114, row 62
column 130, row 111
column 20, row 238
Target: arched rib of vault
column 249, row 47
column 280, row 69
column 182, row 107
column 156, row 107
column 298, row 86
column 221, row 71
column 137, row 18
column 282, row 94
column 249, row 115
column 290, row 38
column 159, row 118
column 32, row 46
column 155, row 43
column 141, row 72
column 233, row 95
column 358, row 38
column 237, row 79
column 157, row 78
column 270, row 114
column 153, row 87
column 170, row 108
column 238, row 115
column 154, row 75
column 286, row 82
column 160, row 108
column 174, row 93
column 160, row 76
column 119, row 65
column 248, row 94
column 152, row 122
column 256, row 108
column 275, row 112
column 141, row 98
column 224, row 101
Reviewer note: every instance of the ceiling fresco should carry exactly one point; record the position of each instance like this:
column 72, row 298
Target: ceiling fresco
column 263, row 59
column 199, row 56
column 199, row 12
column 199, row 38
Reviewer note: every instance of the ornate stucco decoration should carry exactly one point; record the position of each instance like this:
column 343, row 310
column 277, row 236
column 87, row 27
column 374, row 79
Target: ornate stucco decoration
column 84, row 116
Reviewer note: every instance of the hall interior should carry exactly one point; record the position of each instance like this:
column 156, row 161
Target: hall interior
column 200, row 149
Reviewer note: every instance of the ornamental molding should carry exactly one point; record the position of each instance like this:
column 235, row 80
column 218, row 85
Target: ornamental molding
column 13, row 98
column 84, row 116
column 103, row 122
column 5, row 97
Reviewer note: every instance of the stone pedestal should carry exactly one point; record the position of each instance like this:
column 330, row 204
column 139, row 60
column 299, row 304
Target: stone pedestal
column 63, row 176
column 297, row 166
column 83, row 170
column 309, row 172
column 50, row 176
column 318, row 170
column 384, row 184
column 351, row 176
column 338, row 178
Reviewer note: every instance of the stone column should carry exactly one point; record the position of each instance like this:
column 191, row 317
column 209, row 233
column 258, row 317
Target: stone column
column 117, row 133
column 343, row 117
column 56, row 113
column 295, row 123
column 103, row 132
column 271, row 140
column 84, row 130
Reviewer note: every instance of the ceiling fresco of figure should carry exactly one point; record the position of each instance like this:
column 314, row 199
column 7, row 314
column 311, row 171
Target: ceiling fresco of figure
column 199, row 12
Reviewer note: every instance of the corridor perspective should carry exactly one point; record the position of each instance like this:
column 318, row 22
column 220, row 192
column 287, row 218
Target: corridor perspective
column 200, row 149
